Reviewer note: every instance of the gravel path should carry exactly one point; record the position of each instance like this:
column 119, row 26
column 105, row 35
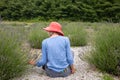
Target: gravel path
column 84, row 70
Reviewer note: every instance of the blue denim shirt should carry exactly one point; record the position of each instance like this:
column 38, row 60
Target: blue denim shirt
column 56, row 53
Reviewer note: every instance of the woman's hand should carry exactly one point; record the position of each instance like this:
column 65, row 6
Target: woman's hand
column 32, row 62
column 72, row 69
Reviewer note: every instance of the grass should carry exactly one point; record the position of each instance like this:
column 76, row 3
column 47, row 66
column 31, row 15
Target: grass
column 76, row 33
column 12, row 59
column 106, row 52
column 36, row 36
column 107, row 77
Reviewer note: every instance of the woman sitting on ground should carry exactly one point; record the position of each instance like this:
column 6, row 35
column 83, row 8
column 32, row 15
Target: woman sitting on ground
column 57, row 58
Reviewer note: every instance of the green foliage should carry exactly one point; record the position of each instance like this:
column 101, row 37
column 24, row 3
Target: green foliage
column 106, row 52
column 108, row 11
column 36, row 36
column 12, row 57
column 76, row 33
column 107, row 77
column 73, row 10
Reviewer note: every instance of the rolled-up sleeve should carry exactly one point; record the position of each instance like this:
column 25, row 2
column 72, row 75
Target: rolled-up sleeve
column 43, row 59
column 69, row 53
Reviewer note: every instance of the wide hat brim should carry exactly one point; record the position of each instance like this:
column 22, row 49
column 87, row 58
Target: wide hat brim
column 50, row 29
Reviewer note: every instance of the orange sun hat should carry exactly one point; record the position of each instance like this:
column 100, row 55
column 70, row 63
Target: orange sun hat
column 54, row 27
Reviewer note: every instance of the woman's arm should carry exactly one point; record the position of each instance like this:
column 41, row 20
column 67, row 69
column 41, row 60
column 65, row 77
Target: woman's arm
column 43, row 59
column 70, row 57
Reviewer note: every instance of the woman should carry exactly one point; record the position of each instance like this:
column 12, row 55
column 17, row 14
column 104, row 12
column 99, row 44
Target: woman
column 57, row 58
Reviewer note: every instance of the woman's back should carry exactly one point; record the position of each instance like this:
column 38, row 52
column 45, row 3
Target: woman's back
column 57, row 52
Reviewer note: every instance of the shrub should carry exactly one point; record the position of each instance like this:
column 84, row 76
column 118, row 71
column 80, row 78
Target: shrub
column 107, row 77
column 76, row 33
column 36, row 37
column 12, row 58
column 106, row 53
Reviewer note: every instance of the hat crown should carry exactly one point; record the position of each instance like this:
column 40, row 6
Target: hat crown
column 55, row 25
